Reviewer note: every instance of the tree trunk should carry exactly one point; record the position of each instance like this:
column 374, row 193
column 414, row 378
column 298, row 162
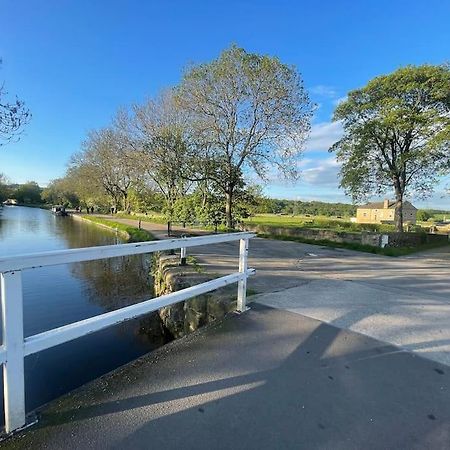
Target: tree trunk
column 229, row 209
column 399, row 212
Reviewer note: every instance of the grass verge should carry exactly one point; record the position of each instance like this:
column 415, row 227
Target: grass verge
column 388, row 251
column 132, row 234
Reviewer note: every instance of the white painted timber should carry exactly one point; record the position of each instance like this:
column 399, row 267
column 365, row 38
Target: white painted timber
column 13, row 368
column 15, row 347
column 56, row 257
column 2, row 354
column 242, row 285
column 51, row 338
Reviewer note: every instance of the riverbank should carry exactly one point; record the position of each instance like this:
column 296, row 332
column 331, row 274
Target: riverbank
column 127, row 232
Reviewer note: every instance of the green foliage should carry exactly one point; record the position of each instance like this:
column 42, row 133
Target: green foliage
column 423, row 215
column 317, row 222
column 4, row 188
column 245, row 112
column 396, row 134
column 59, row 192
column 297, row 207
column 387, row 251
column 134, row 234
column 28, row 193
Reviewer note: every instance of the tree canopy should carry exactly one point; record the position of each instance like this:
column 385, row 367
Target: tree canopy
column 396, row 134
column 245, row 112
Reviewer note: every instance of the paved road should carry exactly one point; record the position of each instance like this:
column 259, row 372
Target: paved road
column 403, row 301
column 275, row 378
column 266, row 379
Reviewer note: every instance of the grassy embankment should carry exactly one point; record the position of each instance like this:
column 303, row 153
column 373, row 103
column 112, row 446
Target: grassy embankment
column 332, row 224
column 131, row 234
column 316, row 222
column 388, row 251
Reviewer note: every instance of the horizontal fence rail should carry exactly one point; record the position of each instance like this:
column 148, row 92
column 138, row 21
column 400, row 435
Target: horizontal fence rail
column 56, row 257
column 15, row 348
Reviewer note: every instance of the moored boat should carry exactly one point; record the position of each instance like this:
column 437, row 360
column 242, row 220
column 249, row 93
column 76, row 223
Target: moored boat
column 59, row 210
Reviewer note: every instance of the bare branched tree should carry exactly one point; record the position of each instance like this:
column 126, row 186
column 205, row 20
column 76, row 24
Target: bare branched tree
column 13, row 116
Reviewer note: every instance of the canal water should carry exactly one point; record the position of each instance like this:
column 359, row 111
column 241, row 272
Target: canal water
column 55, row 296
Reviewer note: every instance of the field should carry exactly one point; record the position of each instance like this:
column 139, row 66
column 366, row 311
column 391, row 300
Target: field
column 317, row 222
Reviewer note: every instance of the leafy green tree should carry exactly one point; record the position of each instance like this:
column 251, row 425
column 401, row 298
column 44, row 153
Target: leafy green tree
column 60, row 192
column 29, row 192
column 423, row 215
column 246, row 112
column 108, row 163
column 396, row 134
column 4, row 189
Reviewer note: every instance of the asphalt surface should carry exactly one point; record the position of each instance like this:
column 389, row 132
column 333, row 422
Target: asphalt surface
column 404, row 301
column 278, row 377
column 267, row 379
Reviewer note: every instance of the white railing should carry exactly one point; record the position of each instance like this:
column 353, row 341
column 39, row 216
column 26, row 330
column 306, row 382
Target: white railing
column 15, row 347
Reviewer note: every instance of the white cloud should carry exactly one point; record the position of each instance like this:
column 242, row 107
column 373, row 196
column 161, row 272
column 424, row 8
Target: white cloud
column 325, row 173
column 324, row 91
column 323, row 135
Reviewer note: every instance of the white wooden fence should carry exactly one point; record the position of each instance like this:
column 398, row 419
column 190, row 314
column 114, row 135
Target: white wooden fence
column 15, row 347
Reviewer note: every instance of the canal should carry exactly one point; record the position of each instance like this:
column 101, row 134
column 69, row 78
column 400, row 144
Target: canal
column 55, row 296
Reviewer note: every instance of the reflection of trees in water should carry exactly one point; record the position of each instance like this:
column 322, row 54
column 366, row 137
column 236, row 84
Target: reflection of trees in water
column 116, row 282
column 81, row 234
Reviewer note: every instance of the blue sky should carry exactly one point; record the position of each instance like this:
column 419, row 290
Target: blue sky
column 75, row 62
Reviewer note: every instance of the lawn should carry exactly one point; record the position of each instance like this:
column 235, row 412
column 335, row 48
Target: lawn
column 317, row 222
column 133, row 234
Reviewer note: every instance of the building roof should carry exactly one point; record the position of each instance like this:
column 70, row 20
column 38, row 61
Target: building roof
column 380, row 205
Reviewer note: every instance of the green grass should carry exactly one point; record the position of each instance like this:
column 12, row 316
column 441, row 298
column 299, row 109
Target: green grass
column 133, row 234
column 153, row 217
column 388, row 251
column 316, row 222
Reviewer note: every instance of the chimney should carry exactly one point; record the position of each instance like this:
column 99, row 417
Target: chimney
column 386, row 204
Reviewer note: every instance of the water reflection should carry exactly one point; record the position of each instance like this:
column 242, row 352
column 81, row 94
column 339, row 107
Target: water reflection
column 55, row 296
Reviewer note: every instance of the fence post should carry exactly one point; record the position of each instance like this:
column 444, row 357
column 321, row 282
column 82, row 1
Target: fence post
column 242, row 285
column 183, row 256
column 13, row 369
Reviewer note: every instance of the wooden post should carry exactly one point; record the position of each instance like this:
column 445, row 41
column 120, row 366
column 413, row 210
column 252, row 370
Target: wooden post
column 13, row 369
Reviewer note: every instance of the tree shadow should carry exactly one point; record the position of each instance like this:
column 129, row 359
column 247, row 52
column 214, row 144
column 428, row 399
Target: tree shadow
column 296, row 383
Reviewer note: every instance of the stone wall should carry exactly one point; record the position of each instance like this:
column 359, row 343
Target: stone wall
column 416, row 239
column 363, row 237
column 314, row 234
column 184, row 317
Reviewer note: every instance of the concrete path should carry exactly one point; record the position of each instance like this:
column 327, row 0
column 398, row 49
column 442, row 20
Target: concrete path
column 267, row 379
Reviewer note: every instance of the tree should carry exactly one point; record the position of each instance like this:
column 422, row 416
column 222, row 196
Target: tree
column 246, row 111
column 158, row 133
column 107, row 161
column 60, row 192
column 13, row 116
column 423, row 215
column 396, row 134
column 4, row 189
column 30, row 193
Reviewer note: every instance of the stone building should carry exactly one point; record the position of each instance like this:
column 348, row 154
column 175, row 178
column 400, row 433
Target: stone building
column 384, row 212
